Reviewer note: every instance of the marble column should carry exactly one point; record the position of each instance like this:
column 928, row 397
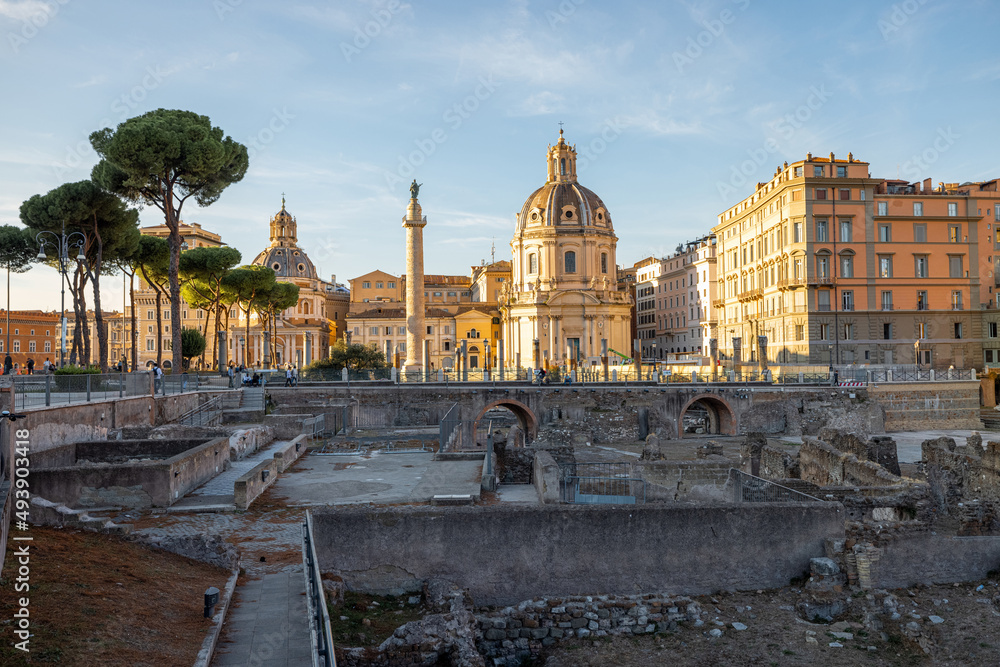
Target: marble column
column 414, row 224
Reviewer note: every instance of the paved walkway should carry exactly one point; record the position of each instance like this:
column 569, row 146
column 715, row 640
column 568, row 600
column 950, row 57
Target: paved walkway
column 268, row 624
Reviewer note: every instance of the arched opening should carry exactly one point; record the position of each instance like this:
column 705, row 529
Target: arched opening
column 496, row 416
column 706, row 415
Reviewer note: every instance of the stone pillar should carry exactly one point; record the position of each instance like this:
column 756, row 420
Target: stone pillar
column 387, row 351
column 309, row 340
column 535, row 360
column 414, row 223
column 604, row 357
column 500, row 359
column 223, row 349
column 426, row 359
column 465, row 361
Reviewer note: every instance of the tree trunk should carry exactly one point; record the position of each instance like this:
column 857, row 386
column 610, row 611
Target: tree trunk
column 159, row 329
column 134, row 341
column 102, row 334
column 173, row 275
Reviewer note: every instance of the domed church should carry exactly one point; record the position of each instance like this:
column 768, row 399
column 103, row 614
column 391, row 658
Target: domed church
column 563, row 297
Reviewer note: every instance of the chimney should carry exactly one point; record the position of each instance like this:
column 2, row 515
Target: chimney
column 928, row 186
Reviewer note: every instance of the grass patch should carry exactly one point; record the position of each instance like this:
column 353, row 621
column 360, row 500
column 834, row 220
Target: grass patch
column 368, row 620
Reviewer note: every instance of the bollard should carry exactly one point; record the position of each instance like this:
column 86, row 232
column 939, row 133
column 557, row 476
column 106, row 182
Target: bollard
column 211, row 599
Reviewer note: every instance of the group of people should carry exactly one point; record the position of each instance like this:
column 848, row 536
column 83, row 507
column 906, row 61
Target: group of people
column 10, row 368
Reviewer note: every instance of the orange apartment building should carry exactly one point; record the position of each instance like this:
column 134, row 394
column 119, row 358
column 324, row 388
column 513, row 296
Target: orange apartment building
column 33, row 334
column 825, row 265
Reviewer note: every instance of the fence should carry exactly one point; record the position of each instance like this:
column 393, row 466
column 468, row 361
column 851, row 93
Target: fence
column 32, row 391
column 319, row 614
column 450, row 427
column 600, row 484
column 208, row 413
column 747, row 488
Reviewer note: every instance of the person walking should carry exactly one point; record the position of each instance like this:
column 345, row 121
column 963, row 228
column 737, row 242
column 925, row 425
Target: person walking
column 31, row 366
column 288, row 376
column 46, row 366
column 232, row 373
column 8, row 364
column 157, row 377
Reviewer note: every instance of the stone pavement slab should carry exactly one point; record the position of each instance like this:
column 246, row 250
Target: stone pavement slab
column 222, row 484
column 518, row 493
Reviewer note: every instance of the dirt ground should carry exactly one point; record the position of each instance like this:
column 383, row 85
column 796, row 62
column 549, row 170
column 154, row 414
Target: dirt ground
column 775, row 636
column 96, row 600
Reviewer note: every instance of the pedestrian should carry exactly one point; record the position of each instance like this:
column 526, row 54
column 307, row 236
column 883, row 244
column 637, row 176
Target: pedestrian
column 47, row 365
column 31, row 366
column 157, row 377
column 124, row 365
column 232, row 374
column 295, row 376
column 288, row 375
column 8, row 365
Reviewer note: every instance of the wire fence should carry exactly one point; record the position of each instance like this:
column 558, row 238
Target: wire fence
column 319, row 613
column 746, row 488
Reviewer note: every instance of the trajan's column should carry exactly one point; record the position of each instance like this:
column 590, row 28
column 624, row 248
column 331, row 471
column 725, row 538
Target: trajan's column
column 414, row 223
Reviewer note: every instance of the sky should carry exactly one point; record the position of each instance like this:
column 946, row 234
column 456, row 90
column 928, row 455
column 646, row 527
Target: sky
column 677, row 109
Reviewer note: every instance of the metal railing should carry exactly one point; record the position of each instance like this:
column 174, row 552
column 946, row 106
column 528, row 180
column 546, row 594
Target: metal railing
column 746, row 488
column 32, row 391
column 450, row 427
column 319, row 614
column 208, row 413
column 600, row 484
column 318, row 426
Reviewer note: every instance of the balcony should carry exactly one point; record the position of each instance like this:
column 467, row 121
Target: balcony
column 823, row 307
column 922, row 306
column 847, row 307
column 821, row 280
column 887, row 306
column 957, row 306
column 791, row 283
column 718, row 304
column 750, row 295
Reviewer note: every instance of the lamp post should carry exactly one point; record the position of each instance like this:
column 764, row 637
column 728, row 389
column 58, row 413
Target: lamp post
column 916, row 355
column 61, row 243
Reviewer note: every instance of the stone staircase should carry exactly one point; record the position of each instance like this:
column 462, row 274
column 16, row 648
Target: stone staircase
column 990, row 419
column 249, row 409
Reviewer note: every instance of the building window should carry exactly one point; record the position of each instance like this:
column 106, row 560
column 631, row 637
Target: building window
column 958, row 329
column 954, row 233
column 821, row 235
column 392, row 284
column 388, row 331
column 845, row 194
column 451, row 294
column 48, row 346
column 992, row 329
column 447, row 346
column 841, row 172
column 430, row 330
column 952, row 210
column 884, row 266
column 956, row 300
column 824, row 332
column 955, row 266
column 401, row 331
column 823, row 267
column 918, row 208
column 817, row 171
column 920, row 266
column 885, row 233
column 848, row 332
column 920, row 232
column 149, row 314
column 366, row 285
column 570, row 262
column 847, row 266
column 150, row 345
column 797, row 172
column 820, row 193
column 378, row 285
column 357, row 331
column 31, row 346
column 800, row 332
column 845, row 231
column 922, row 300
column 921, row 330
column 887, row 330
column 847, row 300
column 883, row 208
column 373, row 331
column 447, row 329
column 823, row 300
column 437, row 293
column 797, row 232
column 604, row 262
column 886, row 300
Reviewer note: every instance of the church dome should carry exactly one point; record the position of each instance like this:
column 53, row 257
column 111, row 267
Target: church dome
column 284, row 255
column 562, row 202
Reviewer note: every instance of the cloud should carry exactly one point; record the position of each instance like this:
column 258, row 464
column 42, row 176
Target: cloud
column 539, row 104
column 95, row 80
column 658, row 124
column 24, row 10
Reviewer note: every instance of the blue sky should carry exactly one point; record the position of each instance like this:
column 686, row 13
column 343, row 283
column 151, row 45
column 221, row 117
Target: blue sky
column 679, row 108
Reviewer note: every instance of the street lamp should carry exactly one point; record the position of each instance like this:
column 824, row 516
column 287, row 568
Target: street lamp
column 916, row 355
column 61, row 243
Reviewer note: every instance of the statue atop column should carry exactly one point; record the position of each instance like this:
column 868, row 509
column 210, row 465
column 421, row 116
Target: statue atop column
column 414, row 189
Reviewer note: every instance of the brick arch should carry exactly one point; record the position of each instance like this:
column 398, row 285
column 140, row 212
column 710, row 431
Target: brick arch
column 525, row 417
column 721, row 416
